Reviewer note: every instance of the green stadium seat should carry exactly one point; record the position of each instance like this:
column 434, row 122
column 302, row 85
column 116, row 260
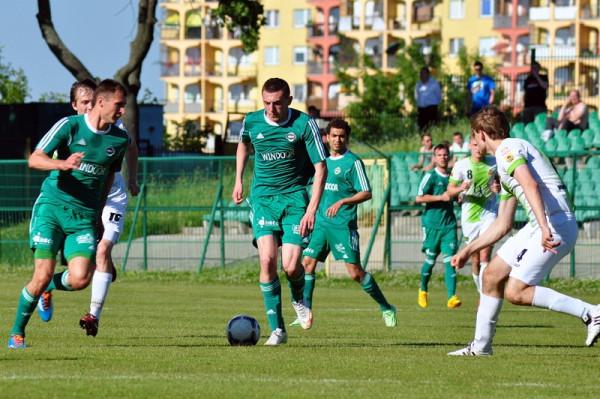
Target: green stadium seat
column 588, row 188
column 577, row 144
column 561, row 133
column 414, row 189
column 517, row 130
column 531, row 130
column 588, row 137
column 596, row 140
column 415, row 177
column 550, row 145
column 540, row 121
column 575, row 133
column 593, row 116
column 562, row 144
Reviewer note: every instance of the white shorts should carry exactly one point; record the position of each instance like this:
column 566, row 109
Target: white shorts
column 523, row 252
column 473, row 230
column 113, row 218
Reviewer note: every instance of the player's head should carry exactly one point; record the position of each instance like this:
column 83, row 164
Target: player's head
column 426, row 140
column 424, row 74
column 488, row 125
column 338, row 135
column 109, row 99
column 476, row 153
column 276, row 99
column 458, row 138
column 478, row 67
column 82, row 93
column 441, row 154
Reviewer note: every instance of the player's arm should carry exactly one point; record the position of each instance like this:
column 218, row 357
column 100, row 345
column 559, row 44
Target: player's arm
column 131, row 158
column 241, row 159
column 357, row 198
column 41, row 161
column 492, row 94
column 530, row 188
column 428, row 198
column 308, row 220
column 498, row 229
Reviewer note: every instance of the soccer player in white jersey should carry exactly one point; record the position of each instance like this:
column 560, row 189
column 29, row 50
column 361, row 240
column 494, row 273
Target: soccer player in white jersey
column 527, row 176
column 474, row 180
column 113, row 219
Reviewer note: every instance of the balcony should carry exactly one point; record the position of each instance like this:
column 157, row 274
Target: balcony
column 422, row 13
column 587, row 12
column 318, row 30
column 171, row 107
column 168, row 69
column 241, row 105
column 558, row 51
column 192, row 69
column 539, row 13
column 397, row 24
column 214, row 32
column 169, row 32
column 192, row 108
column 505, row 22
column 565, row 13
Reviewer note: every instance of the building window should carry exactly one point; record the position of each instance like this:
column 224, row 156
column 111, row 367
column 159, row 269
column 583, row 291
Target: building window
column 486, row 46
column 301, row 17
column 455, row 45
column 300, row 55
column 486, row 8
column 272, row 18
column 457, row 9
column 271, row 55
column 300, row 92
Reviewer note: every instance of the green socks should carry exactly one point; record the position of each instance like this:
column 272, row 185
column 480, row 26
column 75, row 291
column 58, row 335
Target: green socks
column 25, row 308
column 309, row 288
column 450, row 277
column 60, row 281
column 272, row 298
column 426, row 272
column 369, row 285
column 296, row 285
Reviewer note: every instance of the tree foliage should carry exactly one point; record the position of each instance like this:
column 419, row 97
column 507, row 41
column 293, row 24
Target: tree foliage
column 243, row 15
column 53, row 97
column 14, row 88
column 188, row 138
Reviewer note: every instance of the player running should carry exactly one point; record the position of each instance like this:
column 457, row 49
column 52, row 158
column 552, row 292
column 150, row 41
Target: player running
column 286, row 142
column 439, row 227
column 527, row 176
column 474, row 179
column 336, row 226
column 90, row 149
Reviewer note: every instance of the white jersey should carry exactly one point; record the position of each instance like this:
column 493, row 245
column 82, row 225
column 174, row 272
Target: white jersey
column 479, row 200
column 514, row 152
column 118, row 191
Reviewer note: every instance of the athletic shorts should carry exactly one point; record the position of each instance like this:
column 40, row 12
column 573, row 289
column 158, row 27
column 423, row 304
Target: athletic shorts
column 442, row 240
column 113, row 218
column 341, row 241
column 472, row 230
column 524, row 253
column 53, row 224
column 279, row 215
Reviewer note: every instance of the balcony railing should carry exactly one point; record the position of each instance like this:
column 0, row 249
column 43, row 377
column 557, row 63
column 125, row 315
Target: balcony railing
column 192, row 69
column 169, row 32
column 539, row 13
column 193, row 33
column 192, row 108
column 565, row 13
column 505, row 21
column 171, row 107
column 241, row 106
column 588, row 12
column 214, row 32
column 397, row 24
column 169, row 69
column 561, row 51
column 318, row 30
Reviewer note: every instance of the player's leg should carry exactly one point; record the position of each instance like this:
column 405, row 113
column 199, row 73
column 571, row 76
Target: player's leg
column 290, row 260
column 484, row 259
column 534, row 264
column 310, row 265
column 475, row 270
column 449, row 246
column 431, row 250
column 316, row 251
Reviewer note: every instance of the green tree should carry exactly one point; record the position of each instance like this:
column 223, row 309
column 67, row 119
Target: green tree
column 188, row 138
column 14, row 88
column 53, row 97
column 245, row 16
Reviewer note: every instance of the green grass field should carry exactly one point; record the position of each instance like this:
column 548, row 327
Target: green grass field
column 163, row 336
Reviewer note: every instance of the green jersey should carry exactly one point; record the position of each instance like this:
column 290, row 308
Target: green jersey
column 104, row 150
column 345, row 177
column 437, row 214
column 283, row 152
column 479, row 200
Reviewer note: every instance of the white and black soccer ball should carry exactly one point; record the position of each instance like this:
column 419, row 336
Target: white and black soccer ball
column 243, row 330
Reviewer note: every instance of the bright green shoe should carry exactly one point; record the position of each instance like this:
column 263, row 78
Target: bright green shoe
column 295, row 323
column 389, row 317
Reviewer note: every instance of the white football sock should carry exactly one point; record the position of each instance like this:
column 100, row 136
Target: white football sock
column 100, row 284
column 487, row 317
column 549, row 299
column 476, row 280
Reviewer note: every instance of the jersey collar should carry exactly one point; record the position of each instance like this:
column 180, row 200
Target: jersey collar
column 270, row 122
column 93, row 129
column 440, row 173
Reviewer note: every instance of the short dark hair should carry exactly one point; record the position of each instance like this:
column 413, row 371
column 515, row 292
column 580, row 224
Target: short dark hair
column 81, row 84
column 108, row 86
column 338, row 123
column 478, row 64
column 492, row 121
column 426, row 134
column 441, row 146
column 273, row 85
column 458, row 134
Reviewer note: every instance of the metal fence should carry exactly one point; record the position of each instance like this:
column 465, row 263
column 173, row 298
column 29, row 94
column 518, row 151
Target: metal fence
column 184, row 219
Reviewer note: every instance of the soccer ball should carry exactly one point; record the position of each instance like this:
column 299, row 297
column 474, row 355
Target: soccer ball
column 243, row 330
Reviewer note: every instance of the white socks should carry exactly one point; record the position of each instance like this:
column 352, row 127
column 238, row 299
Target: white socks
column 547, row 298
column 485, row 327
column 477, row 282
column 100, row 284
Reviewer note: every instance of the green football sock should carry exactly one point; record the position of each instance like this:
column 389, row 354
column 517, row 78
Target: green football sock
column 60, row 281
column 296, row 285
column 426, row 272
column 450, row 277
column 25, row 308
column 272, row 298
column 369, row 285
column 309, row 288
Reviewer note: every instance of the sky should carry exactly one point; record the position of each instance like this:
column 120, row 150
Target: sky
column 98, row 32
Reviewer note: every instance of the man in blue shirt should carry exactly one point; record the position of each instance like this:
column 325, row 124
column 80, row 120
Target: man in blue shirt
column 481, row 87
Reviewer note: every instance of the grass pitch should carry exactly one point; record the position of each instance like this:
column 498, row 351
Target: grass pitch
column 164, row 337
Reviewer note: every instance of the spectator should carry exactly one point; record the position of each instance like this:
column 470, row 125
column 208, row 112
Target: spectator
column 428, row 95
column 536, row 91
column 481, row 87
column 460, row 146
column 426, row 154
column 573, row 114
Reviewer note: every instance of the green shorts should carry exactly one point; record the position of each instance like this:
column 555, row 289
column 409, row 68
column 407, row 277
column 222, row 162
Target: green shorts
column 341, row 241
column 442, row 240
column 53, row 224
column 279, row 215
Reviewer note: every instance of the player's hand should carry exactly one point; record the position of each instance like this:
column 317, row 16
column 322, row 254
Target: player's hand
column 307, row 224
column 465, row 185
column 548, row 241
column 72, row 162
column 238, row 193
column 333, row 209
column 134, row 189
column 458, row 261
column 445, row 197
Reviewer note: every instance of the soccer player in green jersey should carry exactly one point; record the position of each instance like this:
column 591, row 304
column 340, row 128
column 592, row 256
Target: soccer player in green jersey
column 336, row 226
column 286, row 142
column 439, row 226
column 90, row 149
